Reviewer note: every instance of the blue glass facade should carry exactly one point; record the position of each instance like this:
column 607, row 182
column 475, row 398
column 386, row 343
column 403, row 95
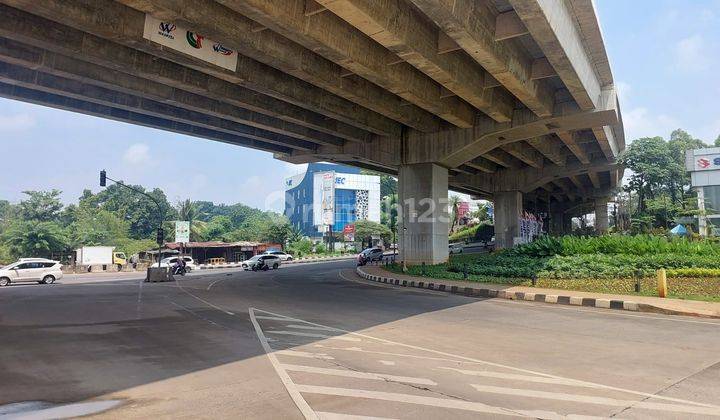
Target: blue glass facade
column 299, row 200
column 344, row 208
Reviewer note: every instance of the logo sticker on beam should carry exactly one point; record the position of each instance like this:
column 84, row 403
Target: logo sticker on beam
column 188, row 42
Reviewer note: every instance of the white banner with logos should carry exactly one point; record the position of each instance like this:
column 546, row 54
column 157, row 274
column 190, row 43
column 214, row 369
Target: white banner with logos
column 191, row 43
column 182, row 231
column 328, row 198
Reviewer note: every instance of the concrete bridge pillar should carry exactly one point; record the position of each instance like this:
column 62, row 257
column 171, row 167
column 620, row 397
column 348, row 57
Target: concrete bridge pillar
column 601, row 215
column 556, row 223
column 508, row 209
column 423, row 220
column 567, row 226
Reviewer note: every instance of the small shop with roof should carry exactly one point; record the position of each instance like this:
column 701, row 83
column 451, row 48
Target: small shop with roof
column 203, row 252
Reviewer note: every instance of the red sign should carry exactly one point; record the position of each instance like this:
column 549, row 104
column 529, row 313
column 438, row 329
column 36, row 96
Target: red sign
column 348, row 229
column 703, row 163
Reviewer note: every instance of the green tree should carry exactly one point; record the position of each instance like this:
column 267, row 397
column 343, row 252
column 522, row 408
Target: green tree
column 364, row 229
column 278, row 232
column 717, row 141
column 389, row 212
column 219, row 228
column 188, row 211
column 33, row 238
column 138, row 210
column 43, row 206
column 454, row 203
column 97, row 227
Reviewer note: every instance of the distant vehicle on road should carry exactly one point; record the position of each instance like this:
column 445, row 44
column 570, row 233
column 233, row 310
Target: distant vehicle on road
column 282, row 255
column 370, row 255
column 171, row 261
column 99, row 255
column 40, row 270
column 262, row 262
column 456, row 248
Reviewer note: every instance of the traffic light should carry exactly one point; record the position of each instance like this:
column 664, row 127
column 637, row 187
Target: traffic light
column 160, row 236
column 103, row 178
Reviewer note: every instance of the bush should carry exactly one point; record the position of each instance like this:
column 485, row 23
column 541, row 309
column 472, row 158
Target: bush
column 463, row 234
column 617, row 244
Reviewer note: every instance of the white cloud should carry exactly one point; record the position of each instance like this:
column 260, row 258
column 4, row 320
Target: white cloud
column 137, row 154
column 16, row 122
column 691, row 53
column 639, row 122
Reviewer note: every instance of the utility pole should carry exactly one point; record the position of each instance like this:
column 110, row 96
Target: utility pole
column 160, row 234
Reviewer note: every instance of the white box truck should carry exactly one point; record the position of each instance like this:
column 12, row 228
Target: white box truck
column 99, row 255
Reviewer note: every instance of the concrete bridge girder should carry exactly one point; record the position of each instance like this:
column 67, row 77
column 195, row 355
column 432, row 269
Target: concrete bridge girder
column 509, row 101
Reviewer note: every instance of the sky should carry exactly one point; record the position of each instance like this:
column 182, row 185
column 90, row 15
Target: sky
column 665, row 56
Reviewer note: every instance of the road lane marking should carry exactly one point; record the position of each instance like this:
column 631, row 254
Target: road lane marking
column 203, row 300
column 588, row 399
column 296, row 353
column 213, row 283
column 526, row 378
column 499, row 365
column 406, row 398
column 290, row 387
column 324, row 415
column 387, row 363
column 311, row 335
column 358, row 375
column 310, row 327
column 274, row 318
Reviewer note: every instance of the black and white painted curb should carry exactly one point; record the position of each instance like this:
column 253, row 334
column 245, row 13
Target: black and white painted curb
column 295, row 261
column 503, row 294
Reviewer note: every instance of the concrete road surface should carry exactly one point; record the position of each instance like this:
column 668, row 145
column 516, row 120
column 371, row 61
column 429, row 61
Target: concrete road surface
column 314, row 341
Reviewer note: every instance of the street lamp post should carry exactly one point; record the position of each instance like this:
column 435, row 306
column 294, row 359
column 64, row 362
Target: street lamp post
column 160, row 234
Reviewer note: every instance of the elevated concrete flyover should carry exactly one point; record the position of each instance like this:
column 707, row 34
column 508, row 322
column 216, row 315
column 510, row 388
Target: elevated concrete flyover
column 509, row 100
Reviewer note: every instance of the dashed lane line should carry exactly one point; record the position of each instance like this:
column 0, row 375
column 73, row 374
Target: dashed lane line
column 312, row 335
column 525, row 378
column 358, row 375
column 310, row 327
column 589, row 399
column 203, row 300
column 387, row 362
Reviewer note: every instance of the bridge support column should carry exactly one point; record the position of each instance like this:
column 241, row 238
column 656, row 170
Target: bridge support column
column 423, row 221
column 556, row 223
column 567, row 226
column 601, row 215
column 508, row 209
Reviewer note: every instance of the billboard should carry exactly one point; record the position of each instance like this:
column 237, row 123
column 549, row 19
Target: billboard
column 191, row 43
column 182, row 231
column 704, row 166
column 327, row 206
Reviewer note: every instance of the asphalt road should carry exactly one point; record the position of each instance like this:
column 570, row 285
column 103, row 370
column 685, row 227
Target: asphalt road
column 315, row 341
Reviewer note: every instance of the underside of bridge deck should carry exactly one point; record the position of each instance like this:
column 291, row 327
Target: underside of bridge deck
column 506, row 99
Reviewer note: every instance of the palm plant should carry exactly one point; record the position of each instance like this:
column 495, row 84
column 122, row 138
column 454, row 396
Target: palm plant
column 188, row 211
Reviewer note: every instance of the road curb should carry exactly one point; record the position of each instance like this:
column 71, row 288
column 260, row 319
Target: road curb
column 623, row 305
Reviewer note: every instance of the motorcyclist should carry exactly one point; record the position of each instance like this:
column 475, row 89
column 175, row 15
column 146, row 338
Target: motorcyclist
column 180, row 266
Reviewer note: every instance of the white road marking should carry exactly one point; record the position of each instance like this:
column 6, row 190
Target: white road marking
column 310, row 327
column 339, row 416
column 213, row 283
column 300, row 402
column 406, row 398
column 385, row 353
column 588, row 399
column 387, row 363
column 296, row 353
column 358, row 375
column 274, row 318
column 203, row 300
column 484, row 362
column 526, row 378
column 311, row 335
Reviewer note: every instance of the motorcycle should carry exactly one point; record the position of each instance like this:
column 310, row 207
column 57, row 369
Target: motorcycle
column 179, row 270
column 361, row 260
column 260, row 266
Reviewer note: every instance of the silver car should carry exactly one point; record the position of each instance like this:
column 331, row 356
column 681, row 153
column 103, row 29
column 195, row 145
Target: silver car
column 25, row 270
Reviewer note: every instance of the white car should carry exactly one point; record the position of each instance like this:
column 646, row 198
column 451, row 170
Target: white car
column 170, row 262
column 262, row 262
column 282, row 255
column 40, row 270
column 456, row 248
